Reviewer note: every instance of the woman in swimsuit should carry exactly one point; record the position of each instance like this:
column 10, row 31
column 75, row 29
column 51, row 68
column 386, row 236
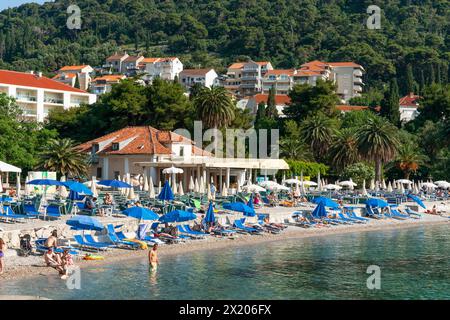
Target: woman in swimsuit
column 2, row 254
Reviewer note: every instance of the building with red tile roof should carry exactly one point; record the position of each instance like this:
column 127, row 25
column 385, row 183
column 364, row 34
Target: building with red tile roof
column 37, row 95
column 408, row 107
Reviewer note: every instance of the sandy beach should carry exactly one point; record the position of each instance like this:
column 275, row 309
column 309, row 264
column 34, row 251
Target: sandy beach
column 21, row 267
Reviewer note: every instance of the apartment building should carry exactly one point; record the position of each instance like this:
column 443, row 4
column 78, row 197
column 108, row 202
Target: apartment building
column 164, row 68
column 233, row 78
column 252, row 75
column 348, row 78
column 38, row 95
column 68, row 75
column 131, row 65
column 104, row 83
column 280, row 80
column 115, row 63
column 204, row 77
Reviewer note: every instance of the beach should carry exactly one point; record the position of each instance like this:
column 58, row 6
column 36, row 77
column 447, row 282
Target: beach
column 22, row 267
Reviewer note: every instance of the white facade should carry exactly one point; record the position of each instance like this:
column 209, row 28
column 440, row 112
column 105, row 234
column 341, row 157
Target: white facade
column 348, row 80
column 408, row 113
column 36, row 103
column 206, row 78
column 164, row 68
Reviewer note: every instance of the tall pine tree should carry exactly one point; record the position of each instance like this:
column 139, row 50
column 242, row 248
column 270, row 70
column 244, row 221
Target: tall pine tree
column 271, row 110
column 410, row 83
column 390, row 107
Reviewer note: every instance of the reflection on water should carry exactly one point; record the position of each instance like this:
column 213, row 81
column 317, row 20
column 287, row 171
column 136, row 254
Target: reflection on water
column 413, row 262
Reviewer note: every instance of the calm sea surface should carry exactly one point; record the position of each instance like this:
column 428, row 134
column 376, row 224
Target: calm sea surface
column 414, row 264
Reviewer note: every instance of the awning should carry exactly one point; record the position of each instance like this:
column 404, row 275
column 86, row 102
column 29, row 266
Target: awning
column 5, row 167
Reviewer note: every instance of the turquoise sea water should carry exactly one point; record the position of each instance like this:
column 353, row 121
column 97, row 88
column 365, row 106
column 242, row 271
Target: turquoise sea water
column 414, row 264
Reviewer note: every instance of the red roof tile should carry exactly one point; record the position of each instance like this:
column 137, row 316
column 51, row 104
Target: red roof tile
column 280, row 99
column 410, row 100
column 32, row 80
column 277, row 72
column 351, row 108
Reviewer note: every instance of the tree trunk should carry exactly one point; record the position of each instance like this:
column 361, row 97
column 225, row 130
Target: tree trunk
column 377, row 170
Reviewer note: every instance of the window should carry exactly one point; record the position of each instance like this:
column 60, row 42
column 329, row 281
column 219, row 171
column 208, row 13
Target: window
column 115, row 146
column 181, row 151
column 99, row 172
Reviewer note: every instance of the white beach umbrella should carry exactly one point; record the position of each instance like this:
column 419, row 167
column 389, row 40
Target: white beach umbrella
column 264, row 184
column 394, row 185
column 172, row 170
column 151, row 189
column 174, row 184
column 196, row 186
column 377, row 186
column 442, row 184
column 202, row 186
column 292, row 181
column 416, row 189
column 208, row 192
column 372, row 184
column 364, row 191
column 429, row 185
column 27, row 187
column 131, row 195
column 347, row 183
column 93, row 187
column 146, row 187
column 224, row 190
column 402, row 188
column 404, row 181
column 191, row 184
column 332, row 187
column 18, row 186
column 319, row 182
column 180, row 189
column 159, row 186
column 1, row 183
column 389, row 187
column 253, row 188
column 383, row 185
column 297, row 191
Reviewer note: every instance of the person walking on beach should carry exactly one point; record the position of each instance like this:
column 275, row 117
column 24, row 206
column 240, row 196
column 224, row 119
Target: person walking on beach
column 153, row 257
column 2, row 254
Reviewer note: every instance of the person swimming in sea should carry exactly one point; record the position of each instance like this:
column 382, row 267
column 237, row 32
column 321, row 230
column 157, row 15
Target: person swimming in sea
column 153, row 257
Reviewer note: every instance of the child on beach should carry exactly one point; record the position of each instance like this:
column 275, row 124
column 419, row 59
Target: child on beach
column 2, row 254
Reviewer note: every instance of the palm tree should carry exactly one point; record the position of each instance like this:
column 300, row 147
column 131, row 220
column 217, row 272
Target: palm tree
column 409, row 159
column 62, row 157
column 295, row 149
column 377, row 142
column 317, row 131
column 344, row 148
column 214, row 107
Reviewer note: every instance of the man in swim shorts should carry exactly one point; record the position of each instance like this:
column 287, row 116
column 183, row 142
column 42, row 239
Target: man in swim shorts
column 153, row 257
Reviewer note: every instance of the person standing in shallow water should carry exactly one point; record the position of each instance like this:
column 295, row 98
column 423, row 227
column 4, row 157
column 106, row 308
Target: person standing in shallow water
column 153, row 257
column 2, row 255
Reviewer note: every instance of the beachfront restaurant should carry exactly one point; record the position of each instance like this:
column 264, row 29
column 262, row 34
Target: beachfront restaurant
column 146, row 150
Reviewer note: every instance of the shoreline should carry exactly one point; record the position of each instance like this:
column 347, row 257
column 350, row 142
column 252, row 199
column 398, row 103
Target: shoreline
column 37, row 268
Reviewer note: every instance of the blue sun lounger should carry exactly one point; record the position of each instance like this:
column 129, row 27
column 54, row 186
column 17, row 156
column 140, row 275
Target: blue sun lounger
column 413, row 213
column 186, row 235
column 372, row 214
column 90, row 239
column 344, row 218
column 53, row 211
column 116, row 240
column 9, row 214
column 151, row 239
column 352, row 215
column 30, row 210
column 86, row 245
column 239, row 225
column 397, row 215
column 188, row 229
column 40, row 246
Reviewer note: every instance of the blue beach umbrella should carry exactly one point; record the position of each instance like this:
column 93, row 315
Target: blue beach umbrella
column 45, row 182
column 77, row 187
column 240, row 207
column 166, row 192
column 375, row 202
column 177, row 216
column 327, row 202
column 114, row 184
column 141, row 213
column 210, row 218
column 320, row 210
column 417, row 200
column 84, row 223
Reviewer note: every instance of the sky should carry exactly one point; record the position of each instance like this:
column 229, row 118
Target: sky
column 14, row 3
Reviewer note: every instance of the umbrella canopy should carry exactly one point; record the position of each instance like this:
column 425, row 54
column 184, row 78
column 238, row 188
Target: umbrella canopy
column 429, row 185
column 389, row 187
column 372, row 185
column 5, row 167
column 146, row 187
column 278, row 187
column 327, row 202
column 264, row 184
column 347, row 183
column 131, row 194
column 177, row 216
column 141, row 213
column 78, row 188
column 166, row 192
column 417, row 200
column 292, row 181
column 209, row 217
column 332, row 187
column 202, row 186
column 172, row 170
column 151, row 192
column 196, row 186
column 191, row 184
column 180, row 189
column 45, row 182
column 404, row 181
column 114, row 184
column 18, row 186
column 94, row 188
column 253, row 188
column 85, row 223
column 320, row 211
column 240, row 207
column 441, row 183
column 375, row 202
column 383, row 184
column 364, row 190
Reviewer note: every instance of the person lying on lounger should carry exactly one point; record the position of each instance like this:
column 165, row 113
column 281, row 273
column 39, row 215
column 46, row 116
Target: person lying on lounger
column 432, row 211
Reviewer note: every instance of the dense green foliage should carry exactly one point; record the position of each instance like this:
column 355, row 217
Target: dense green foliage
column 216, row 32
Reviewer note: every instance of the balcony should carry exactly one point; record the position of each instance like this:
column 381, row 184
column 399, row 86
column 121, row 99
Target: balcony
column 26, row 98
column 357, row 88
column 358, row 80
column 50, row 100
column 357, row 73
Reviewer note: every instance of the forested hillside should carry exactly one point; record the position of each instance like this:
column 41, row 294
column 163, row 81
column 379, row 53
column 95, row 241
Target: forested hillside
column 214, row 33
